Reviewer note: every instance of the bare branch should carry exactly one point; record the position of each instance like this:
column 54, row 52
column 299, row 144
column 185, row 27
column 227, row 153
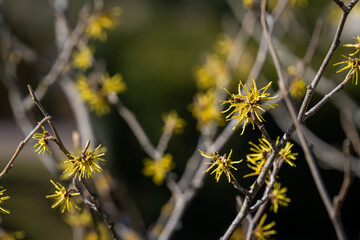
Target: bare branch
column 58, row 140
column 94, row 204
column 21, row 145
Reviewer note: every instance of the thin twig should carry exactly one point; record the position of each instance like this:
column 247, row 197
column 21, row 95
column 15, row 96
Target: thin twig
column 135, row 126
column 269, row 186
column 21, row 145
column 255, row 219
column 335, row 43
column 58, row 140
column 98, row 209
column 59, row 65
column 308, row 155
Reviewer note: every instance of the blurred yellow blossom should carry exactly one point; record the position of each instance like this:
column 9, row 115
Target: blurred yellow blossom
column 278, row 197
column 248, row 3
column 101, row 232
column 85, row 164
column 159, row 168
column 297, row 88
column 95, row 93
column 212, row 72
column 99, row 23
column 253, row 101
column 205, row 109
column 82, row 59
column 239, row 234
column 221, row 164
column 63, row 197
column 76, row 219
column 262, row 232
column 114, row 84
column 173, row 123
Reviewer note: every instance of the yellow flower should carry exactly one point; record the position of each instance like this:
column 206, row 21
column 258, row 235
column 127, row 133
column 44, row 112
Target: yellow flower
column 205, row 109
column 278, row 197
column 76, row 219
column 257, row 159
column 353, row 64
column 82, row 84
column 286, row 154
column 264, row 232
column 211, row 73
column 99, row 23
column 261, row 151
column 297, row 88
column 113, row 84
column 2, row 199
column 84, row 164
column 63, row 197
column 222, row 163
column 95, row 94
column 101, row 232
column 173, row 123
column 223, row 47
column 257, row 166
column 42, row 141
column 248, row 3
column 159, row 168
column 253, row 101
column 356, row 46
column 82, row 59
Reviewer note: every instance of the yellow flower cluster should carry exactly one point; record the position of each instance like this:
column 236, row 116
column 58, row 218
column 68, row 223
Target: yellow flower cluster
column 159, row 168
column 245, row 105
column 221, row 164
column 173, row 123
column 211, row 72
column 262, row 150
column 63, row 197
column 95, row 95
column 297, row 86
column 42, row 141
column 262, row 232
column 82, row 59
column 99, row 23
column 353, row 64
column 206, row 109
column 278, row 197
column 209, row 76
column 85, row 164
